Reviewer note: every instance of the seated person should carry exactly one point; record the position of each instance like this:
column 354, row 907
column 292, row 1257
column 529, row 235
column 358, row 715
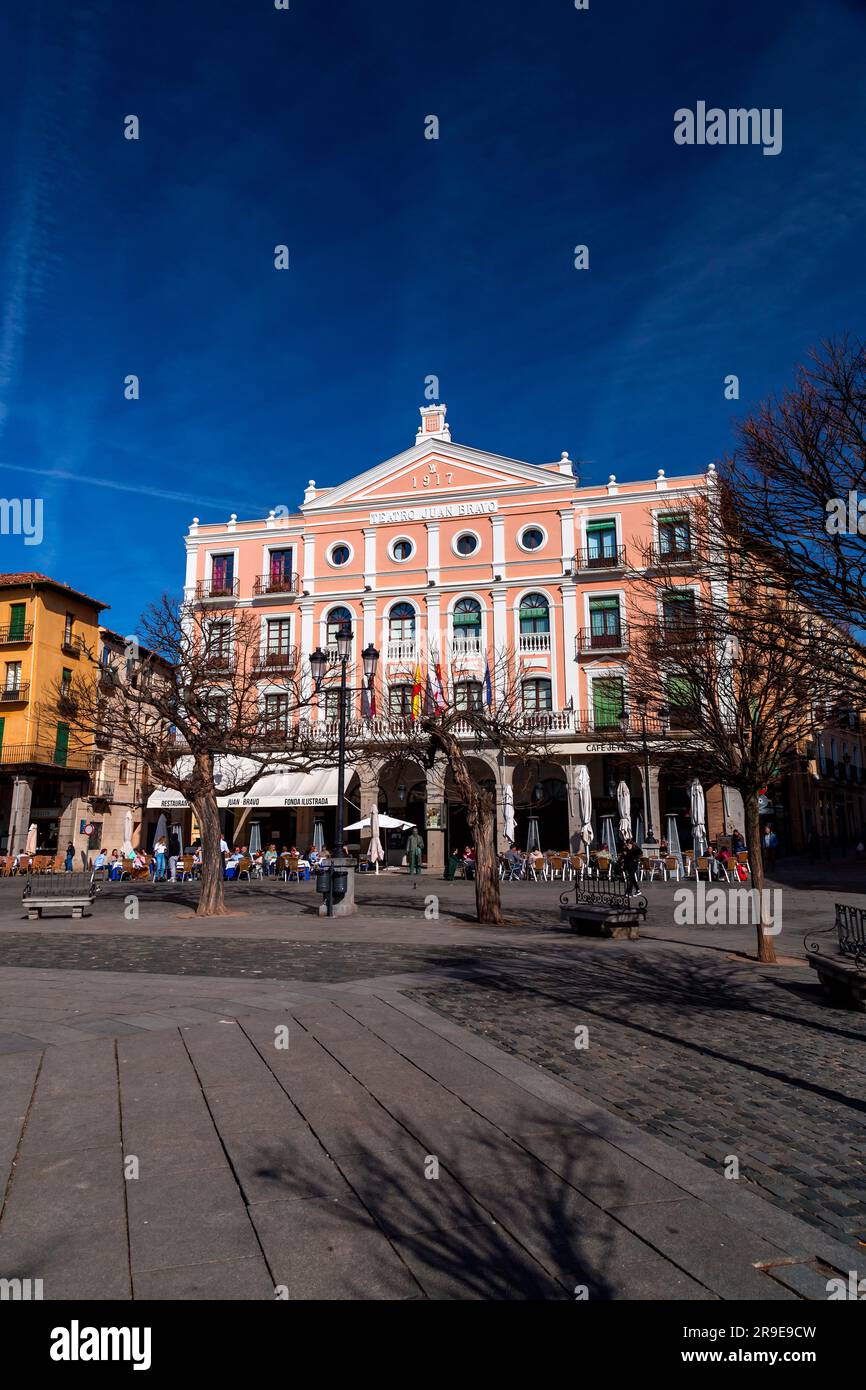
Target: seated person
column 514, row 862
column 469, row 861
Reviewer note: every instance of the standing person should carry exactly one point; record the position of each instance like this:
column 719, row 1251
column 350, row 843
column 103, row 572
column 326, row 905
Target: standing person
column 69, row 861
column 414, row 851
column 631, row 858
column 768, row 845
column 159, row 850
column 174, row 849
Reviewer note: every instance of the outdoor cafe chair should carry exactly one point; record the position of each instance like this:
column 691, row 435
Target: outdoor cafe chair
column 577, row 864
column 702, row 866
column 688, row 862
column 602, row 866
column 244, row 866
column 672, row 867
column 185, row 867
column 555, row 865
column 743, row 858
column 649, row 867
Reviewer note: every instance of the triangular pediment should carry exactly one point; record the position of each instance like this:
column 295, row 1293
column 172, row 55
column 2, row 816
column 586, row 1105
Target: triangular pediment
column 451, row 470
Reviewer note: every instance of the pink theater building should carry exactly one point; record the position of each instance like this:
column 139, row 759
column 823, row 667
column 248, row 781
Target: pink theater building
column 451, row 553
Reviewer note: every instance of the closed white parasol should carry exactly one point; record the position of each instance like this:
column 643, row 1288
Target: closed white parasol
column 623, row 805
column 584, row 803
column 698, row 807
column 377, row 854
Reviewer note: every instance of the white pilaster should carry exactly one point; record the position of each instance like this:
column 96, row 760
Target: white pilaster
column 569, row 656
column 370, row 556
column 309, row 562
column 433, row 552
column 566, row 526
column 497, row 524
column 500, row 640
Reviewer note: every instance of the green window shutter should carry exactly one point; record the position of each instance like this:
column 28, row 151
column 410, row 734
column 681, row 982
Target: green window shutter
column 600, row 526
column 17, row 615
column 607, row 701
column 603, row 603
column 2, row 726
column 61, row 745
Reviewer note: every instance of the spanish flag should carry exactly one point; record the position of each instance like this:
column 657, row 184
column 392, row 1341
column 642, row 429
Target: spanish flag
column 417, row 686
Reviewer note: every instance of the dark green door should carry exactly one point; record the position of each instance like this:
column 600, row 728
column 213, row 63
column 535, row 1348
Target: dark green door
column 61, row 745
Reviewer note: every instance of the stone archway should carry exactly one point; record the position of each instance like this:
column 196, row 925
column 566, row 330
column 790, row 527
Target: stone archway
column 457, row 832
column 541, row 794
column 402, row 790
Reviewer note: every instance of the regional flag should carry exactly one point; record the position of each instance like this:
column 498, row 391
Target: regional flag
column 417, row 687
column 436, row 690
column 488, row 685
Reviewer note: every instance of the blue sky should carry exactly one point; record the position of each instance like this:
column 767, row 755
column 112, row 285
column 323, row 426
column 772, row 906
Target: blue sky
column 409, row 257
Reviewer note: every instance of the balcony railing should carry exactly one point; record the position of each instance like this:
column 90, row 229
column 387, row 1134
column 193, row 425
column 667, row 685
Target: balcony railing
column 16, row 633
column 213, row 589
column 102, row 791
column 613, row 559
column 461, row 647
column 534, row 642
column 219, row 661
column 15, row 694
column 588, row 641
column 402, row 649
column 45, row 756
column 277, row 659
column 72, row 644
column 654, row 557
column 265, row 584
column 582, row 723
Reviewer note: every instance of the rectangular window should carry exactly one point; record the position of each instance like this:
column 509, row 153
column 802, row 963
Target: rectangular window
column 277, row 713
column 278, row 635
column 17, row 616
column 2, row 727
column 604, row 624
column 608, row 701
column 400, row 701
column 467, row 695
column 61, row 745
column 123, row 772
column 280, row 570
column 678, row 609
column 674, row 535
column 222, row 574
column 537, row 696
column 13, row 675
column 684, row 702
column 66, row 682
column 219, row 639
column 600, row 542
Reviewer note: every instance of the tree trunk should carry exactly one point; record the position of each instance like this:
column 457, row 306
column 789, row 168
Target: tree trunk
column 766, row 948
column 488, row 900
column 211, row 902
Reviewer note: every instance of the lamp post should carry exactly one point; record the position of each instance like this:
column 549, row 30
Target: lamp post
column 318, row 667
column 664, row 719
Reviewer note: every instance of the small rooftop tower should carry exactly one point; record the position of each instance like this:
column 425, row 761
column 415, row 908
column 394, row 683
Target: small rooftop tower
column 433, row 425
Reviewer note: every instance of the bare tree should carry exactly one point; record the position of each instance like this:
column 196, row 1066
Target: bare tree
column 742, row 672
column 797, row 485
column 453, row 734
column 195, row 716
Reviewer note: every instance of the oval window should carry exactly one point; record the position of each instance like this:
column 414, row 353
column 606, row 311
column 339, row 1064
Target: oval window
column 340, row 555
column 403, row 550
column 467, row 544
column 532, row 538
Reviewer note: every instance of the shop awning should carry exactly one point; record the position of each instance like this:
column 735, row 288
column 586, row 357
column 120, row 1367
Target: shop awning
column 280, row 788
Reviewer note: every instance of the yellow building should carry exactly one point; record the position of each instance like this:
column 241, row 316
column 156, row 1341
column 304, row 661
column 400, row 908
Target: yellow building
column 49, row 635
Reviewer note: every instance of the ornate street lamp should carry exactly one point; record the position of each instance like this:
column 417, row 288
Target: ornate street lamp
column 318, row 667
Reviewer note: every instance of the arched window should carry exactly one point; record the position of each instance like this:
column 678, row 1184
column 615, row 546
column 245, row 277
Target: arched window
column 467, row 618
column 337, row 618
column 401, row 623
column 467, row 695
column 534, row 613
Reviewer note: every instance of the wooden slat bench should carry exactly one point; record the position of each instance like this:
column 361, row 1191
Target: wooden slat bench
column 602, row 914
column 842, row 971
column 63, row 893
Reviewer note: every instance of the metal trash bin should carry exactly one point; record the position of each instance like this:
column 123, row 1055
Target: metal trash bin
column 323, row 881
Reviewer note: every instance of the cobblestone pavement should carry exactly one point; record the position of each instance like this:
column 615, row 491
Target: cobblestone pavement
column 704, row 1053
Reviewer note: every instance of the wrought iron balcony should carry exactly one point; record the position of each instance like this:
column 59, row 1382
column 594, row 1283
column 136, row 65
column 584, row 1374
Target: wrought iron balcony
column 265, row 584
column 586, row 561
column 655, row 557
column 102, row 791
column 220, row 661
column 15, row 633
column 12, row 754
column 277, row 660
column 588, row 642
column 15, row 694
column 207, row 589
column 72, row 644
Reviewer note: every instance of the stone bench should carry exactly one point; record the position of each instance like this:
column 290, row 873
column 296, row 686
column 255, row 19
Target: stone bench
column 611, row 915
column 65, row 893
column 841, row 964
